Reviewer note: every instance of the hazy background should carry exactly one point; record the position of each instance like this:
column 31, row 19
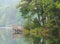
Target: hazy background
column 9, row 14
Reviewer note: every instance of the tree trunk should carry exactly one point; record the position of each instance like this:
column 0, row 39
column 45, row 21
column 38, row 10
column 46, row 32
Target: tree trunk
column 39, row 17
column 43, row 41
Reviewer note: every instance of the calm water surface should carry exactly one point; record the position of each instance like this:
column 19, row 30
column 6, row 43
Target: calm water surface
column 6, row 37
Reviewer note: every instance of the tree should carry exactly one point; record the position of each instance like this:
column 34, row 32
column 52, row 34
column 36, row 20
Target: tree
column 43, row 14
column 35, row 8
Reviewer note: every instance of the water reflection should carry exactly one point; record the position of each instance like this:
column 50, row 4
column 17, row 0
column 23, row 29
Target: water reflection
column 6, row 37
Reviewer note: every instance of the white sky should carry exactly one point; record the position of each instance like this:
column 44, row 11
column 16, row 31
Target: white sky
column 8, row 11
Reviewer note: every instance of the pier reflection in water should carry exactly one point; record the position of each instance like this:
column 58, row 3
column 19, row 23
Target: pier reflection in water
column 6, row 37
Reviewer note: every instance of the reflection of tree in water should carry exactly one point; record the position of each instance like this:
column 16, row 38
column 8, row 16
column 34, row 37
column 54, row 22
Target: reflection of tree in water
column 17, row 31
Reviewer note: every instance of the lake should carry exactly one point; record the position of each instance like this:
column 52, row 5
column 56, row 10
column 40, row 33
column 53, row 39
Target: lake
column 6, row 37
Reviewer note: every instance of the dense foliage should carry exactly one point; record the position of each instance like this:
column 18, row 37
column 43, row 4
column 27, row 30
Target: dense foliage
column 43, row 24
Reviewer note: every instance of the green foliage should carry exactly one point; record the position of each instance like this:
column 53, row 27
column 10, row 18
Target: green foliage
column 50, row 13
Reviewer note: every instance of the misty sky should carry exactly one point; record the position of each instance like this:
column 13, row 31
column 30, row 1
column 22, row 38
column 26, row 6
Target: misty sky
column 9, row 15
